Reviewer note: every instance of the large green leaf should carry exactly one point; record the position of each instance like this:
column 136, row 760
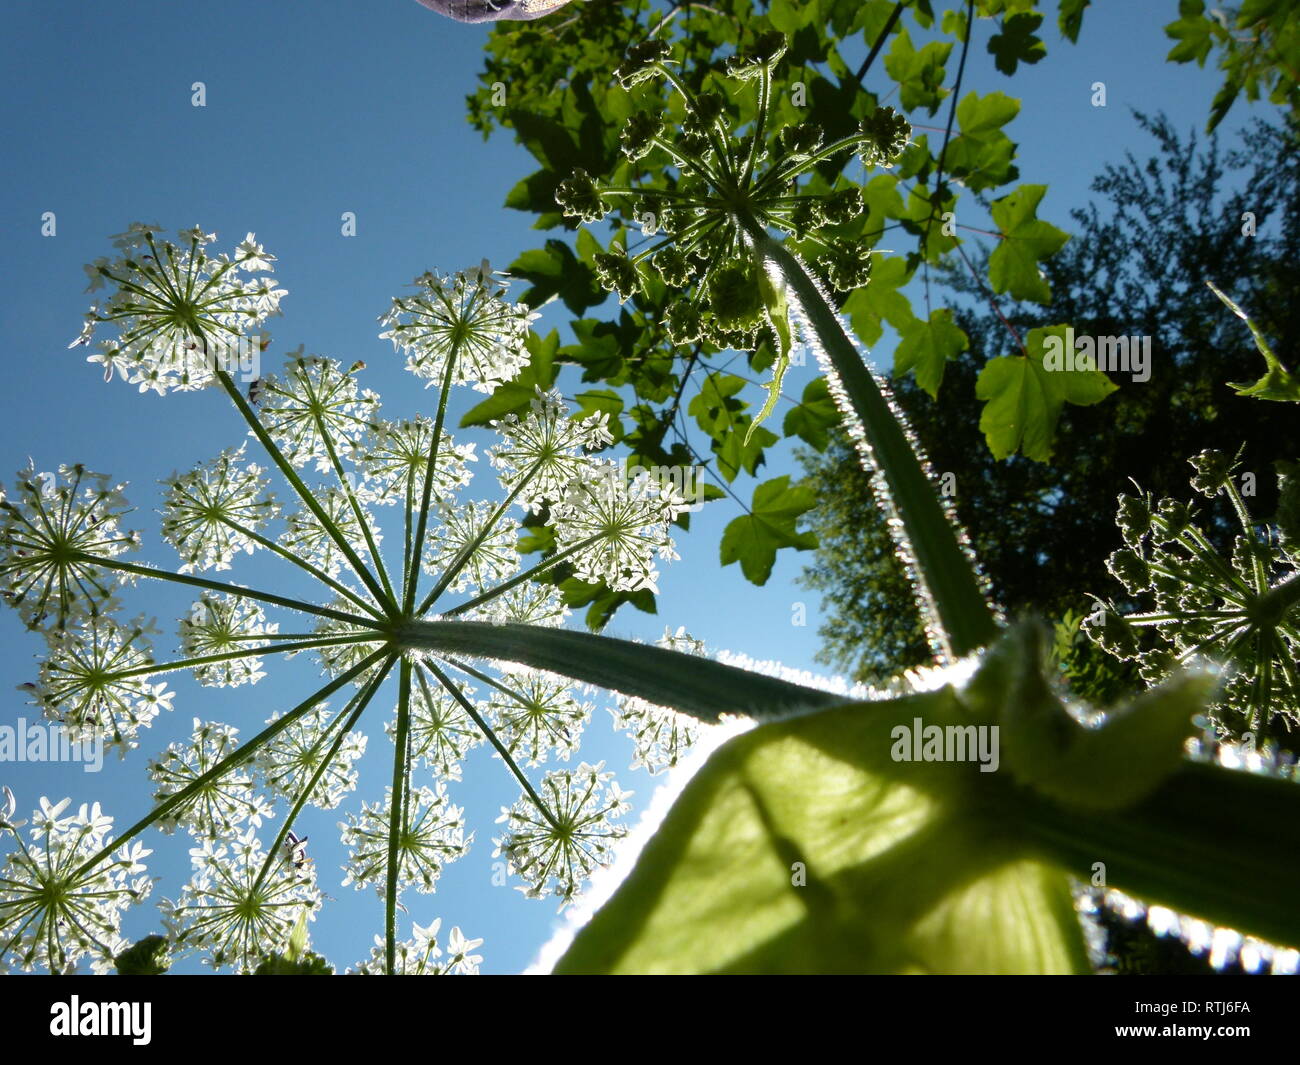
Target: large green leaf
column 927, row 347
column 753, row 539
column 803, row 847
column 1023, row 398
column 1013, row 266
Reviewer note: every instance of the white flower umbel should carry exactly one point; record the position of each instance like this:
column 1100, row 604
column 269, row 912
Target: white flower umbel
column 61, row 895
column 431, row 835
column 52, row 530
column 216, row 511
column 544, row 450
column 421, row 956
column 487, row 547
column 240, row 904
column 316, row 408
column 311, row 750
column 96, row 682
column 394, row 458
column 537, row 715
column 465, row 313
column 218, row 625
column 178, row 311
column 555, row 844
column 220, row 805
column 622, row 523
column 307, row 537
column 442, row 733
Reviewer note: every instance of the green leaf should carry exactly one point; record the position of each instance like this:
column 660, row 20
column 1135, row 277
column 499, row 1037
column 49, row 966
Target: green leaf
column 555, row 271
column 804, row 847
column 1016, row 43
column 1023, row 396
column 982, row 155
column 753, row 539
column 919, row 73
column 1278, row 384
column 282, row 965
column 602, row 603
column 927, row 347
column 790, row 15
column 1013, row 266
column 815, row 415
column 513, row 397
column 881, row 300
column 1193, row 32
column 1070, row 18
column 151, row 956
column 715, row 407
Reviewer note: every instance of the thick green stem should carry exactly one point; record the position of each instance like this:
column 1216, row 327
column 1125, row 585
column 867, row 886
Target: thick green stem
column 963, row 615
column 1218, row 844
column 690, row 684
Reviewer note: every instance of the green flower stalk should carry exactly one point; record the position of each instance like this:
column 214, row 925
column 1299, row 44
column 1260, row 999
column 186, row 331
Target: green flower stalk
column 714, row 241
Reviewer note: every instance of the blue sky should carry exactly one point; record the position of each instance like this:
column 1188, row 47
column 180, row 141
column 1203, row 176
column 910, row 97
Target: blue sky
column 313, row 111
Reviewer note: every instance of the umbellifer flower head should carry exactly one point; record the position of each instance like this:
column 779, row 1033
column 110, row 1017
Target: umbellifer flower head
column 179, row 312
column 730, row 187
column 448, row 559
column 1242, row 612
column 63, row 891
column 467, row 313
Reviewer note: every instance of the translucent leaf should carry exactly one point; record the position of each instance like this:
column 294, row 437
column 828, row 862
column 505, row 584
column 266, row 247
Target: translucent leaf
column 804, row 847
column 1013, row 266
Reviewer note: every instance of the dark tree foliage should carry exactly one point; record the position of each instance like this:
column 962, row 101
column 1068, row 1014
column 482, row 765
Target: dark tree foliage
column 1136, row 266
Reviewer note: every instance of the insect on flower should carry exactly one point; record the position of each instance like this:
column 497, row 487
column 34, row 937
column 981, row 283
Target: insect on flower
column 296, row 850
